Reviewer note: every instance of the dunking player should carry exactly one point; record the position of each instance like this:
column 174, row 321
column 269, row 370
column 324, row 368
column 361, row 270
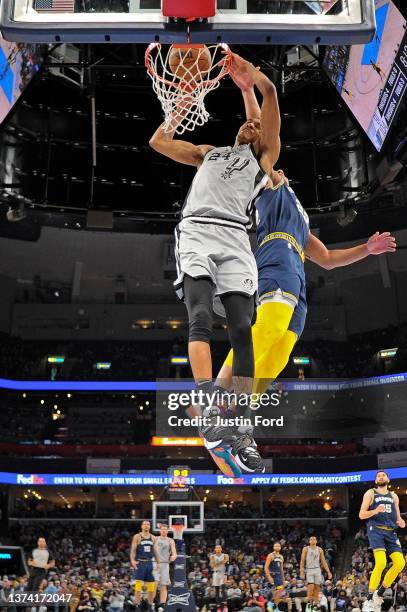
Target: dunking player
column 213, row 253
column 380, row 507
column 142, row 553
column 312, row 557
column 284, row 241
column 274, row 570
column 165, row 553
column 218, row 561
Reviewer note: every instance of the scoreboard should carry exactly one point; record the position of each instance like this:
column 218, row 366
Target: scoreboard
column 179, row 486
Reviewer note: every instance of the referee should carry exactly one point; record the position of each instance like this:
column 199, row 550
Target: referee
column 40, row 562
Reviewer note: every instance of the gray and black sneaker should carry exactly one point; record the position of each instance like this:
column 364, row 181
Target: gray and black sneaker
column 246, row 455
column 215, row 434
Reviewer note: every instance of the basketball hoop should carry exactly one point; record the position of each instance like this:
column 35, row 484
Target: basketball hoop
column 177, row 531
column 182, row 91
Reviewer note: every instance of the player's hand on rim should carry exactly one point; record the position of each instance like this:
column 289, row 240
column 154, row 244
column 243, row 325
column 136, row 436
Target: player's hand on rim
column 241, row 72
column 381, row 243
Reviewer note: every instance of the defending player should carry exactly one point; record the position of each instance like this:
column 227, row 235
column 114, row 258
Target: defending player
column 213, row 253
column 218, row 561
column 312, row 558
column 274, row 570
column 165, row 553
column 142, row 553
column 380, row 507
column 284, row 241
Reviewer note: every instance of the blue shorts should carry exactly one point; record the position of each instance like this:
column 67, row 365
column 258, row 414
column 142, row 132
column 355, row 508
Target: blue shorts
column 277, row 579
column 270, row 280
column 144, row 571
column 383, row 539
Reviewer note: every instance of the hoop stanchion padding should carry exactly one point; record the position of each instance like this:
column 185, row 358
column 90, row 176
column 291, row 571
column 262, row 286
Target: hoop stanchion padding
column 182, row 92
column 186, row 9
column 180, row 597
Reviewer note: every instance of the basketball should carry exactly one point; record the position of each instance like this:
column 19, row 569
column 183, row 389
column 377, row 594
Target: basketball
column 189, row 62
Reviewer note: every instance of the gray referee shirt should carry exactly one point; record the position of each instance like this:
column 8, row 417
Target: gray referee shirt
column 41, row 556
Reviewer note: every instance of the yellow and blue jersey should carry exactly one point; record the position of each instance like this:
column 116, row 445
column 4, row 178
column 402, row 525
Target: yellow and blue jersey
column 387, row 519
column 282, row 235
column 276, row 569
column 381, row 528
column 145, row 556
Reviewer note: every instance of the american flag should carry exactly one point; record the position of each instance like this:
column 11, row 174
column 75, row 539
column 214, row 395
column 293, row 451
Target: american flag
column 54, row 6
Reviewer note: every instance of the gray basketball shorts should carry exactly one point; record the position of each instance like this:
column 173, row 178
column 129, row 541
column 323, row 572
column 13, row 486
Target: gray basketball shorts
column 163, row 572
column 220, row 252
column 218, row 578
column 314, row 576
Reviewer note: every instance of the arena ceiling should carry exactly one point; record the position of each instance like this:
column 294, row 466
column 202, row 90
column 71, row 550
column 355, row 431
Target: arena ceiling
column 59, row 175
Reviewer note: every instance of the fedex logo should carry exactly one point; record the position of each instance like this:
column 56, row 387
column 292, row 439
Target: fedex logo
column 29, row 479
column 225, row 480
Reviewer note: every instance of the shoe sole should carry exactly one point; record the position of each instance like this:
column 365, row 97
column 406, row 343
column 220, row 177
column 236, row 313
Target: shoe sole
column 225, row 461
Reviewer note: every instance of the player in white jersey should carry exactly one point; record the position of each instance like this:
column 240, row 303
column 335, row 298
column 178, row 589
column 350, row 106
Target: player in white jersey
column 218, row 561
column 166, row 553
column 216, row 267
column 312, row 558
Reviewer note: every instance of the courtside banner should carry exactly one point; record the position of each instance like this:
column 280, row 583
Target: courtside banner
column 134, row 480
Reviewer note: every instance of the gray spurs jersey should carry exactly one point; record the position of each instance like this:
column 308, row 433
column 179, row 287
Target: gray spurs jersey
column 225, row 186
column 163, row 549
column 312, row 560
column 219, row 563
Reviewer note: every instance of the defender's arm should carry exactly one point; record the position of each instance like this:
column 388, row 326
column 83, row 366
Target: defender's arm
column 377, row 244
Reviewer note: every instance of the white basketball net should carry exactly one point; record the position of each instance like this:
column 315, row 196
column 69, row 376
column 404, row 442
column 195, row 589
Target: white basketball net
column 182, row 95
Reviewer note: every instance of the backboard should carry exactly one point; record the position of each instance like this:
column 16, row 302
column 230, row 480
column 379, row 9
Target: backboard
column 235, row 21
column 190, row 514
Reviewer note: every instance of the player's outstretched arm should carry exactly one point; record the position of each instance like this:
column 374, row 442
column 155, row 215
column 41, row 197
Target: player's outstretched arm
column 245, row 76
column 377, row 244
column 178, row 150
column 365, row 513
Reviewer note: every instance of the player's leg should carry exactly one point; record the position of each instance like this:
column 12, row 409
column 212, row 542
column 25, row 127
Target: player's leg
column 151, row 589
column 271, row 324
column 377, row 544
column 317, row 588
column 163, row 595
column 397, row 565
column 138, row 587
column 380, row 562
column 278, row 594
column 240, row 311
column 217, row 596
column 198, row 296
column 310, row 592
column 271, row 364
column 164, row 582
column 394, row 551
column 274, row 361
